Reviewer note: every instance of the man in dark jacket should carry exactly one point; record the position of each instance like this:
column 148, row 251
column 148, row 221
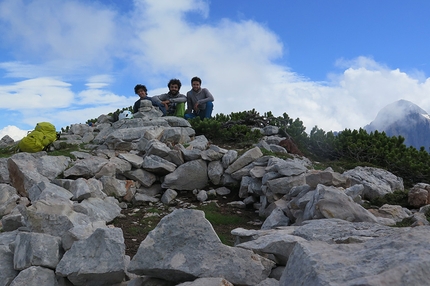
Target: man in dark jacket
column 142, row 92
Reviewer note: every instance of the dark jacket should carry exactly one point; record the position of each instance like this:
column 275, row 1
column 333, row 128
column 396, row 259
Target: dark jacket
column 136, row 105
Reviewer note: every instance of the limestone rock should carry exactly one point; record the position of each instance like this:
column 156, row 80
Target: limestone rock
column 193, row 250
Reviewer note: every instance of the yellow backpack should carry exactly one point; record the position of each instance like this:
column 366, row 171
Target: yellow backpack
column 38, row 139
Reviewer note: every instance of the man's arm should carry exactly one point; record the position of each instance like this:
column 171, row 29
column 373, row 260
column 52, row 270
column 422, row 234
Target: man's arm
column 207, row 96
column 136, row 106
column 178, row 99
column 190, row 105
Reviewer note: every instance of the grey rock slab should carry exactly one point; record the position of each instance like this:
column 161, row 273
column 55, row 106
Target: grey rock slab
column 188, row 176
column 141, row 199
column 229, row 158
column 35, row 275
column 8, row 199
column 200, row 142
column 286, row 167
column 45, row 191
column 97, row 260
column 145, row 178
column 245, row 159
column 157, row 165
column 86, row 168
column 331, row 202
column 211, row 155
column 207, row 282
column 177, row 121
column 80, row 232
column 283, row 185
column 4, row 172
column 113, row 187
column 14, row 220
column 215, row 171
column 80, row 189
column 155, row 147
column 184, row 246
column 134, row 159
column 61, row 216
column 222, row 191
column 275, row 219
column 36, row 249
column 376, row 182
column 341, row 231
column 397, row 259
column 168, row 196
column 99, row 209
column 176, row 135
column 52, row 166
column 7, row 272
column 23, row 172
column 80, row 129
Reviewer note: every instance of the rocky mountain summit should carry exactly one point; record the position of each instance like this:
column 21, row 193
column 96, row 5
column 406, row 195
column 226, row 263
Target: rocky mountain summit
column 406, row 119
column 57, row 213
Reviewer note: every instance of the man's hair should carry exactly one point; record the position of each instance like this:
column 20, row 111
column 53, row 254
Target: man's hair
column 175, row 81
column 196, row 79
column 139, row 86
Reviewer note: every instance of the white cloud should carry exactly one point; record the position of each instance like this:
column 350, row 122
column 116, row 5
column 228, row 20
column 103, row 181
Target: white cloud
column 14, row 132
column 99, row 97
column 36, row 93
column 68, row 30
column 82, row 45
column 99, row 81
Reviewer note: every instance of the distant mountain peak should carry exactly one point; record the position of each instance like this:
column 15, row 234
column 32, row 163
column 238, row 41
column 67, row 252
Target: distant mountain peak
column 396, row 112
column 406, row 119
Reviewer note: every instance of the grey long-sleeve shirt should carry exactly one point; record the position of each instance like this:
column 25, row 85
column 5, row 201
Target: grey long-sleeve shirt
column 200, row 97
column 172, row 98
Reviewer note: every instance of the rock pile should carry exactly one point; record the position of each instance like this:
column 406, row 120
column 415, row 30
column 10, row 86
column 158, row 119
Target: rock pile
column 57, row 212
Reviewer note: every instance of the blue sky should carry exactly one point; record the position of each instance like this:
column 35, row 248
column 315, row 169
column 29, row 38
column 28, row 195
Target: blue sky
column 331, row 63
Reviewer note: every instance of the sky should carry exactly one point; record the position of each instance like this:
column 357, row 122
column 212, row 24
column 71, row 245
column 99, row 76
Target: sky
column 332, row 64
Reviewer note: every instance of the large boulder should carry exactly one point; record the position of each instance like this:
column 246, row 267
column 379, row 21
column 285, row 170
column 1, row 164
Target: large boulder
column 188, row 176
column 97, row 260
column 377, row 182
column 184, row 247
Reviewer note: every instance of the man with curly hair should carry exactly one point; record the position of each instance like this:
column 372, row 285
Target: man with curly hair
column 173, row 101
column 142, row 92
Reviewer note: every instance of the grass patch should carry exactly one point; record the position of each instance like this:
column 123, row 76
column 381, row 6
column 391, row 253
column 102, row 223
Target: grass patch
column 136, row 230
column 6, row 152
column 66, row 150
column 222, row 222
column 405, row 222
column 276, row 154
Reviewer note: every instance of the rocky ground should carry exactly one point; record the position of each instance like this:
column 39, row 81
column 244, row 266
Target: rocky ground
column 136, row 222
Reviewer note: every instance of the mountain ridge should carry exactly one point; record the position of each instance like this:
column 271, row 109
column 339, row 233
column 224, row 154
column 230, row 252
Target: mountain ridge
column 406, row 119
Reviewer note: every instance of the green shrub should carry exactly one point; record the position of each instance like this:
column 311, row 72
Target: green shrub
column 396, row 198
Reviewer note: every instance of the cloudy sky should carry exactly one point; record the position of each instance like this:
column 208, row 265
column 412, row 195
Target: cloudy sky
column 331, row 63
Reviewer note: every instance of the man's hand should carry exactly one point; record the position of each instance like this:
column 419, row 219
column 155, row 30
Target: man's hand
column 196, row 107
column 166, row 103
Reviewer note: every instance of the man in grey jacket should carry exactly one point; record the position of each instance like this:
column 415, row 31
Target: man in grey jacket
column 173, row 101
column 199, row 101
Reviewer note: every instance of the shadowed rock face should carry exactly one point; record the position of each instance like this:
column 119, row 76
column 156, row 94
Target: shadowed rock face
column 290, row 146
column 406, row 119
